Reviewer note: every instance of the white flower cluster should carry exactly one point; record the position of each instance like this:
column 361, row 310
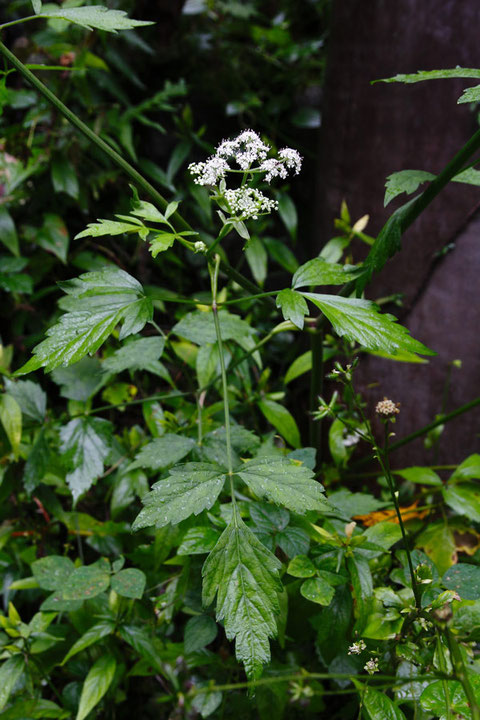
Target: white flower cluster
column 247, row 203
column 357, row 648
column 247, row 150
column 371, row 666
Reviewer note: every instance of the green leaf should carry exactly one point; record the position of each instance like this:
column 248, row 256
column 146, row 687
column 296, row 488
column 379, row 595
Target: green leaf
column 64, row 178
column 96, row 302
column 198, row 541
column 420, row 476
column 301, row 365
column 80, row 381
column 142, row 354
column 317, row 590
column 420, row 75
column 288, row 213
column 378, row 705
column 433, row 699
column 244, row 576
column 141, row 641
column 464, row 499
column 207, row 702
column 162, row 452
column 85, row 442
column 281, row 254
column 206, row 363
column 281, row 419
column 30, row 397
column 469, row 469
column 351, row 504
column 463, row 579
column 8, row 233
column 188, row 490
column 470, row 95
column 35, row 709
column 284, row 483
column 95, row 16
column 53, row 236
column 200, row 631
column 362, row 583
column 37, row 6
column 11, row 419
column 293, row 306
column 301, row 567
column 52, row 572
column 405, row 181
column 437, row 540
column 10, row 672
column 129, row 583
column 92, row 636
column 257, row 259
column 199, row 328
column 320, row 272
column 360, row 320
column 148, row 212
column 161, row 242
column 98, row 680
column 384, row 534
column 293, row 541
column 112, row 227
column 86, row 582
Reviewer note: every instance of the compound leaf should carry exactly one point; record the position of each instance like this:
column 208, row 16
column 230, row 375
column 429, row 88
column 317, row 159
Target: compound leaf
column 95, row 16
column 320, row 272
column 189, row 489
column 404, row 181
column 162, row 452
column 293, row 306
column 142, row 354
column 243, row 575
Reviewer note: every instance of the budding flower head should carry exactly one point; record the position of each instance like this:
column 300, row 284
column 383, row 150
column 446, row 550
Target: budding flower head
column 387, row 408
column 357, row 648
column 371, row 666
column 200, row 247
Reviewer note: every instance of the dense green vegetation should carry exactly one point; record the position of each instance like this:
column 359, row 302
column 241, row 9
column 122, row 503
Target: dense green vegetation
column 192, row 523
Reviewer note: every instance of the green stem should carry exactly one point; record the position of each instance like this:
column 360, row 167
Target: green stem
column 443, row 668
column 461, row 675
column 316, row 389
column 17, row 22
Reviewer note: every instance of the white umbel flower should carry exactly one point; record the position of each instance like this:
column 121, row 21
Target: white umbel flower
column 247, row 149
column 209, row 172
column 247, row 203
column 291, row 158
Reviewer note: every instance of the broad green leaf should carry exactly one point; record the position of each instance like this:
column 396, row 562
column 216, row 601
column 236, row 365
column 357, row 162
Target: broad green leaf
column 437, row 540
column 161, row 242
column 199, row 328
column 162, row 452
column 30, row 397
column 35, row 709
column 207, row 702
column 37, row 6
column 206, row 363
column 80, row 381
column 19, row 283
column 11, row 419
column 404, row 181
column 470, row 95
column 268, row 518
column 383, row 534
column 53, row 236
column 301, row 365
column 10, row 672
column 293, row 306
column 200, row 631
column 86, row 582
column 92, row 636
column 284, row 483
column 420, row 476
column 96, row 303
column 362, row 583
column 400, row 356
column 336, row 442
column 97, row 682
column 52, row 572
column 142, row 354
column 257, row 259
column 360, row 320
column 306, row 455
column 433, row 698
column 420, row 75
column 64, row 178
column 148, row 212
column 463, row 579
column 129, row 583
column 8, row 233
column 188, row 490
column 293, row 541
column 56, row 603
column 320, row 272
column 317, row 590
column 198, row 541
column 281, row 253
column 378, row 705
column 469, row 469
column 301, row 567
column 282, row 420
column 141, row 640
column 85, row 444
column 113, row 227
column 288, row 213
column 243, row 575
column 464, row 498
column 95, row 16
column 357, row 503
column 470, row 176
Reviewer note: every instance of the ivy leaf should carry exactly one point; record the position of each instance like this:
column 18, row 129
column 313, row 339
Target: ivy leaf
column 85, row 443
column 95, row 304
column 282, row 420
column 162, row 452
column 284, row 483
column 293, row 306
column 142, row 354
column 360, row 320
column 243, row 575
column 113, row 227
column 420, row 75
column 189, row 489
column 95, row 16
column 320, row 272
column 405, row 181
column 98, row 680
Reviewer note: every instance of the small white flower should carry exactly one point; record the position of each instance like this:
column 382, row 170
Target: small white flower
column 371, row 666
column 200, row 247
column 209, row 172
column 357, row 648
column 248, row 202
column 247, row 149
column 291, row 158
column 273, row 168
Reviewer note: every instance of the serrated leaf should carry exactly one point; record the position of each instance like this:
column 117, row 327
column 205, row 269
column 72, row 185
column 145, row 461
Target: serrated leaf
column 198, row 541
column 52, row 572
column 129, row 583
column 293, row 306
column 97, row 682
column 11, row 419
column 199, row 632
column 162, row 452
column 92, row 636
column 469, row 469
column 85, row 443
column 95, row 304
column 188, row 490
column 148, row 212
column 10, row 672
column 30, row 397
column 282, row 420
column 161, row 242
column 95, row 16
column 80, row 381
column 110, row 227
column 293, row 541
column 421, row 75
column 470, row 95
column 199, row 327
column 243, row 575
column 361, row 321
column 405, row 181
column 86, row 582
column 142, row 354
column 284, row 483
column 320, row 272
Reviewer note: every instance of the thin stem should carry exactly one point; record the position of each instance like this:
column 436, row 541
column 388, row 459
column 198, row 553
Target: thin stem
column 17, row 22
column 443, row 668
column 316, row 389
column 249, row 297
column 213, row 269
column 461, row 675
